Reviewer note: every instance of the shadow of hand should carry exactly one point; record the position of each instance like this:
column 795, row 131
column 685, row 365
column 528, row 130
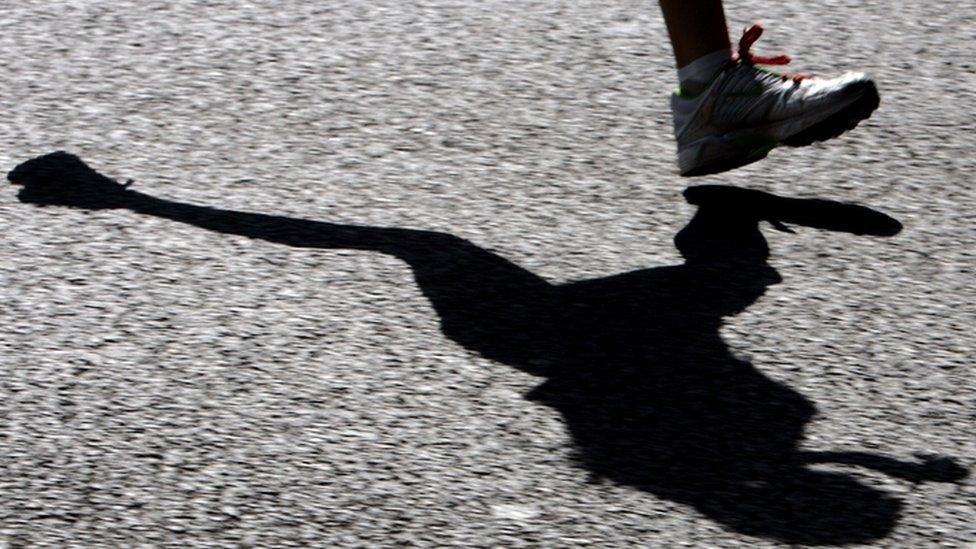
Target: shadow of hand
column 62, row 179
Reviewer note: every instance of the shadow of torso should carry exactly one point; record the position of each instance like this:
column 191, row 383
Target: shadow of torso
column 652, row 396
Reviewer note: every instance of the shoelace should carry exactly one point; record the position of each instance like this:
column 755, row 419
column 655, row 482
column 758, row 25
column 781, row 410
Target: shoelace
column 749, row 37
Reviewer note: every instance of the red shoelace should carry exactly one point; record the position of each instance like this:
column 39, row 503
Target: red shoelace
column 749, row 37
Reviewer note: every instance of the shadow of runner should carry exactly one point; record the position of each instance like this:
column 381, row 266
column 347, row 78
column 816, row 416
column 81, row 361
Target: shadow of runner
column 651, row 394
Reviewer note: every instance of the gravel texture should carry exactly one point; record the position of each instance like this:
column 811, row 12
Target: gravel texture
column 167, row 384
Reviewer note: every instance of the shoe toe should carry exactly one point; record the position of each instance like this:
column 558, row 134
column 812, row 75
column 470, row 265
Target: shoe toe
column 851, row 83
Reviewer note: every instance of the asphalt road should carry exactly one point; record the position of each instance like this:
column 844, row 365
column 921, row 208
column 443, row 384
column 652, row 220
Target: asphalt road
column 458, row 354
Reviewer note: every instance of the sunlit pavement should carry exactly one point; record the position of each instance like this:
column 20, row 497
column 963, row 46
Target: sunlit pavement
column 163, row 384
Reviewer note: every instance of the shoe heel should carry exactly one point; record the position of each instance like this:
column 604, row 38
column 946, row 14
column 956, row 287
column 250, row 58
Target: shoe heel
column 717, row 154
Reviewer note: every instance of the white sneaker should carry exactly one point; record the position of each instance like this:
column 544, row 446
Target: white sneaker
column 746, row 111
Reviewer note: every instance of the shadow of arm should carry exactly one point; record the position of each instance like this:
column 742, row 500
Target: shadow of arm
column 289, row 231
column 485, row 302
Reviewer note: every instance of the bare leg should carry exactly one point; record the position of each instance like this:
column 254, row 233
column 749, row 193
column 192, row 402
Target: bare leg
column 696, row 27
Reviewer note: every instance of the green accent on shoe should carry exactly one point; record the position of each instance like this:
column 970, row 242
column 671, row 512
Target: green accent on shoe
column 685, row 94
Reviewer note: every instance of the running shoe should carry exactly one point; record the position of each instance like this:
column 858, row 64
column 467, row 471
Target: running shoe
column 748, row 109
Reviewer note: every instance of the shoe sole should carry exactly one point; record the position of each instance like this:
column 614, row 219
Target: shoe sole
column 730, row 155
column 730, row 159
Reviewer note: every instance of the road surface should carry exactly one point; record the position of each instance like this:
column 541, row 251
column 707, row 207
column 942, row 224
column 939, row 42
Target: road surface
column 166, row 384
